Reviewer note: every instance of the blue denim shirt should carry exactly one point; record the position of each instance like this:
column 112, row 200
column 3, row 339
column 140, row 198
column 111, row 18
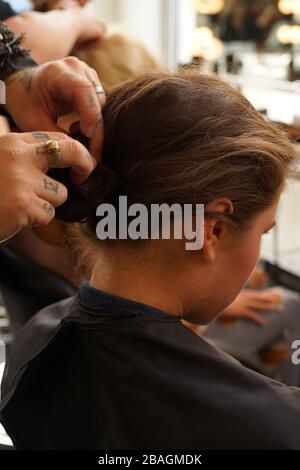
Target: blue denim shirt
column 91, row 297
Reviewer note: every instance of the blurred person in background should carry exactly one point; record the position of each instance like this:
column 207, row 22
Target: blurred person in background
column 54, row 34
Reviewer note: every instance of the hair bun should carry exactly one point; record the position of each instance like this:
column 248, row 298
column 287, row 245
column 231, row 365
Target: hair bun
column 84, row 199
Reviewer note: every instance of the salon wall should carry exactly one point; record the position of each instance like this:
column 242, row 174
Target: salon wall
column 106, row 9
column 143, row 19
column 283, row 244
column 20, row 5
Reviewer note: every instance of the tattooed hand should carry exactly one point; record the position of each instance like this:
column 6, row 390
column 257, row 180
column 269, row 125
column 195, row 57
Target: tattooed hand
column 28, row 196
column 37, row 97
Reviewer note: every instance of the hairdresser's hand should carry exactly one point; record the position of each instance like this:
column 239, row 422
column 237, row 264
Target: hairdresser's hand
column 55, row 34
column 89, row 28
column 37, row 97
column 27, row 195
column 249, row 302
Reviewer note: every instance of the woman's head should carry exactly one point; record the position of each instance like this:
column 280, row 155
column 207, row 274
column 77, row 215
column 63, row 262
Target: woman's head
column 189, row 138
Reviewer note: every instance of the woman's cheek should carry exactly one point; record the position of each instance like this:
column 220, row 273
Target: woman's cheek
column 252, row 253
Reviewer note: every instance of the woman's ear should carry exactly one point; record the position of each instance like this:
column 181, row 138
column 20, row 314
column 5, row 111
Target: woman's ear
column 215, row 230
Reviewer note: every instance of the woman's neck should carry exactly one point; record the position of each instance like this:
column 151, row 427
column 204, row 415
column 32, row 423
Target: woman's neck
column 140, row 279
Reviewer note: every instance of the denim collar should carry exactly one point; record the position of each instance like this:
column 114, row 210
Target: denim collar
column 94, row 298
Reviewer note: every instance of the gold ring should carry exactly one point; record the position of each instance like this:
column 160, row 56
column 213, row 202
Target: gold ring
column 53, row 152
column 52, row 147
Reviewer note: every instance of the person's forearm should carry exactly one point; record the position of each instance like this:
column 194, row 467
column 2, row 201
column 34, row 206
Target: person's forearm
column 49, row 36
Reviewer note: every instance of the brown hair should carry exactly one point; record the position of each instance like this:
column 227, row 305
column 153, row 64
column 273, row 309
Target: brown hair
column 186, row 138
column 116, row 58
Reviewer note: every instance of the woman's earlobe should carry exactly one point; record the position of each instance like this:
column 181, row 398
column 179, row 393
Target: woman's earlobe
column 210, row 242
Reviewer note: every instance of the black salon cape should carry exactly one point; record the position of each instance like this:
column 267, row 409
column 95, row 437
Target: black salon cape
column 93, row 378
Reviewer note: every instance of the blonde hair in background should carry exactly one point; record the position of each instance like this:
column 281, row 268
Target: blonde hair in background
column 118, row 58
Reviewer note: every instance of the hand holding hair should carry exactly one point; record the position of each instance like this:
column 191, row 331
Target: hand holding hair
column 29, row 195
column 54, row 89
